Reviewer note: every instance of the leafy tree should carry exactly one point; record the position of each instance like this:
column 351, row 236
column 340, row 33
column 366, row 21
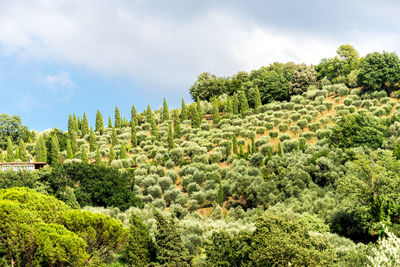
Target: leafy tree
column 184, row 112
column 303, row 77
column 117, row 121
column 99, row 122
column 169, row 245
column 358, row 130
column 85, row 125
column 165, row 111
column 22, row 151
column 380, row 71
column 84, row 155
column 139, row 248
column 11, row 126
column 10, row 150
column 207, row 86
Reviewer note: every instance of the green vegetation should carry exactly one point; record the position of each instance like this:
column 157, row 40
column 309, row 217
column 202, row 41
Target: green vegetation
column 286, row 165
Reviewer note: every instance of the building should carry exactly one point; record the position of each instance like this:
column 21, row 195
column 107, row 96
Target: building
column 21, row 166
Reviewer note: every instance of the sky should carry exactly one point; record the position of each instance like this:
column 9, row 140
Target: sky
column 72, row 56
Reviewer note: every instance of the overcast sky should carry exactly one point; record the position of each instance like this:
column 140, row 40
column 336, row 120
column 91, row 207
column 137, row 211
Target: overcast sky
column 65, row 56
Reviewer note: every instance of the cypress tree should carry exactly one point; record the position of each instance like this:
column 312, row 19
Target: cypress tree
column 40, row 150
column 228, row 148
column 122, row 152
column 22, row 151
column 152, row 121
column 1, row 156
column 280, row 153
column 133, row 135
column 257, row 98
column 241, row 153
column 84, row 154
column 248, row 150
column 109, row 122
column 76, row 126
column 16, row 156
column 111, row 156
column 85, row 125
column 199, row 109
column 98, row 157
column 235, row 145
column 184, row 112
column 55, row 150
column 92, row 140
column 74, row 144
column 229, row 107
column 114, row 137
column 71, row 124
column 220, row 195
column 70, row 155
column 149, row 115
column 171, row 143
column 253, row 145
column 243, row 104
column 235, row 104
column 170, row 248
column 195, row 118
column 215, row 112
column 133, row 115
column 139, row 245
column 177, row 125
column 99, row 122
column 165, row 111
column 117, row 121
column 10, row 150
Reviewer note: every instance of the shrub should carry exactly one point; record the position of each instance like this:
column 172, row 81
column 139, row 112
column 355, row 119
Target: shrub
column 214, row 157
column 302, row 124
column 155, row 191
column 284, row 137
column 323, row 133
column 290, row 145
column 176, row 155
column 307, row 135
column 193, row 187
column 283, row 127
column 165, row 182
column 273, row 134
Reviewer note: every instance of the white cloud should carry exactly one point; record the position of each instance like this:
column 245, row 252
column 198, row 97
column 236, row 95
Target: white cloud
column 59, row 85
column 124, row 38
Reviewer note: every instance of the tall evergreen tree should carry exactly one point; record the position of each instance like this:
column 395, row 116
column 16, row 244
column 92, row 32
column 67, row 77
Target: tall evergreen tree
column 133, row 115
column 257, row 98
column 177, row 125
column 111, row 156
column 139, row 247
column 169, row 245
column 71, row 124
column 220, row 196
column 171, row 143
column 229, row 107
column 165, row 111
column 1, row 156
column 228, row 148
column 22, row 150
column 99, row 122
column 117, row 121
column 215, row 112
column 184, row 112
column 70, row 155
column 253, row 145
column 195, row 117
column 84, row 154
column 243, row 104
column 85, row 125
column 114, row 137
column 16, row 156
column 92, row 140
column 235, row 144
column 40, row 150
column 133, row 134
column 74, row 144
column 199, row 108
column 10, row 150
column 122, row 152
column 75, row 120
column 149, row 115
column 98, row 157
column 109, row 122
column 55, row 150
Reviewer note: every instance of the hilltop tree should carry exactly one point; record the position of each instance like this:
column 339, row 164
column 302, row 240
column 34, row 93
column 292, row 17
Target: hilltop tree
column 165, row 111
column 84, row 154
column 184, row 112
column 92, row 140
column 152, row 121
column 22, row 151
column 85, row 125
column 55, row 150
column 256, row 97
column 71, row 124
column 70, row 155
column 195, row 117
column 75, row 120
column 303, row 77
column 177, row 125
column 109, row 122
column 10, row 150
column 380, row 71
column 99, row 123
column 133, row 116
column 117, row 121
column 74, row 144
column 40, row 150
